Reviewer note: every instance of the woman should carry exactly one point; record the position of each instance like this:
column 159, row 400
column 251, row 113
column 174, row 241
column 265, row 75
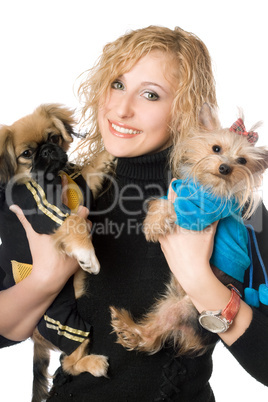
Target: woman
column 139, row 102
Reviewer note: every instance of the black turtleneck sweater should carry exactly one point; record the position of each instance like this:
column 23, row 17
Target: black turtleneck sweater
column 133, row 274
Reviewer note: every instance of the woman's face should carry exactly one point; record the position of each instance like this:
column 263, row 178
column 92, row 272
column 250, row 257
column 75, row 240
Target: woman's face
column 134, row 118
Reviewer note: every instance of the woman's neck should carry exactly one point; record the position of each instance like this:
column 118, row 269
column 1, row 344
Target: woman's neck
column 146, row 167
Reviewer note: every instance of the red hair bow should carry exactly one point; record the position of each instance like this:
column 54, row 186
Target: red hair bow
column 239, row 128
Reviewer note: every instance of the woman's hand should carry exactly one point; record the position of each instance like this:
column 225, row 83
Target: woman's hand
column 50, row 267
column 22, row 305
column 188, row 254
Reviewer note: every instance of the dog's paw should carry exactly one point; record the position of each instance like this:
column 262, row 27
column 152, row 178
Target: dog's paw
column 87, row 260
column 150, row 232
column 143, row 336
column 97, row 365
column 160, row 219
column 127, row 331
column 161, row 226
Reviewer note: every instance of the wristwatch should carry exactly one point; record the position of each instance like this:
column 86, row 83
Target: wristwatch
column 220, row 321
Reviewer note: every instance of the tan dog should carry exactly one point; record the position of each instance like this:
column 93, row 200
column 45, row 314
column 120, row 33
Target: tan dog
column 40, row 140
column 229, row 168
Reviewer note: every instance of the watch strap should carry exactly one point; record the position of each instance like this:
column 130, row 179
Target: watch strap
column 231, row 309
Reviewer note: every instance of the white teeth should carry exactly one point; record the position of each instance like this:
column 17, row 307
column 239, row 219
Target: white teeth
column 125, row 130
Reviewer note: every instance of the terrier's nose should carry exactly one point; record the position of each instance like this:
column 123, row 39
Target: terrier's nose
column 225, row 169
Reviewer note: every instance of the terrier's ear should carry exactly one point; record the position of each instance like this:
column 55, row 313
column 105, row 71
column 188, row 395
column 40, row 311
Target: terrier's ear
column 263, row 157
column 8, row 160
column 208, row 118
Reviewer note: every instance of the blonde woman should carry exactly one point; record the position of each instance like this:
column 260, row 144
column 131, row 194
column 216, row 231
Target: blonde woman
column 140, row 100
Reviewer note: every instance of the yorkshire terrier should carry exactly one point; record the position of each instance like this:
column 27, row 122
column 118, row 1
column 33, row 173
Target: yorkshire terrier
column 32, row 153
column 220, row 172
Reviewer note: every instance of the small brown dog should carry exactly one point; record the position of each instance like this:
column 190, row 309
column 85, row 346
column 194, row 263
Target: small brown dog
column 227, row 166
column 38, row 143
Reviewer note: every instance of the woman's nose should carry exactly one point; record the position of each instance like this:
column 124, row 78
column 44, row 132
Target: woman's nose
column 125, row 106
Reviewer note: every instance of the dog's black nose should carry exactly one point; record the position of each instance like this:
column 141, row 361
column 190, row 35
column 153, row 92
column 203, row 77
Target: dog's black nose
column 225, row 169
column 48, row 153
column 49, row 158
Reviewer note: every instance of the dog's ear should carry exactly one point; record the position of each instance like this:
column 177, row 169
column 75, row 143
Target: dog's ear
column 62, row 117
column 8, row 160
column 262, row 157
column 208, row 118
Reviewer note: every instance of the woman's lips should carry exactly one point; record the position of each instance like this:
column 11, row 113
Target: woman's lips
column 123, row 131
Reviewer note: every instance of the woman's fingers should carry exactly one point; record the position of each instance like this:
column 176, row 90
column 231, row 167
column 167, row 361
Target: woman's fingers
column 83, row 211
column 171, row 193
column 64, row 195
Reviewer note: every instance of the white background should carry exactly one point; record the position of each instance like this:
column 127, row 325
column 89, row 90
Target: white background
column 45, row 45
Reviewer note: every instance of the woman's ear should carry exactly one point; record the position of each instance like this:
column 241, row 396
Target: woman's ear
column 208, row 118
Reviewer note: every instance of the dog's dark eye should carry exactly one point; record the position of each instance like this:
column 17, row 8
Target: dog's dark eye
column 28, row 153
column 55, row 139
column 216, row 148
column 241, row 161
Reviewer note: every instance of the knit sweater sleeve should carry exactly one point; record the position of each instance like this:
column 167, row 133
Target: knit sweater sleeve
column 251, row 349
column 4, row 342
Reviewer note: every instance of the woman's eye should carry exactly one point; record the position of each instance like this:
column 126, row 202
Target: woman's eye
column 216, row 148
column 117, row 85
column 241, row 161
column 152, row 96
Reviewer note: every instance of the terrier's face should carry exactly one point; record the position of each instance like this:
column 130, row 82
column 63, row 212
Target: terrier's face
column 224, row 162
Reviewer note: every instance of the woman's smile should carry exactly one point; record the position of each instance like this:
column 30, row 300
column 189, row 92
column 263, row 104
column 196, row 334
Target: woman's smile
column 122, row 130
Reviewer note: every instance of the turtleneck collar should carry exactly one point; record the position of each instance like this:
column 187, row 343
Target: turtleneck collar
column 145, row 167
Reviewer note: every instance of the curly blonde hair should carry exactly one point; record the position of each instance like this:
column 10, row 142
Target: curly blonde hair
column 193, row 78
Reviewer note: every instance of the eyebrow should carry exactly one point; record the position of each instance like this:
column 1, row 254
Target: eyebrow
column 145, row 83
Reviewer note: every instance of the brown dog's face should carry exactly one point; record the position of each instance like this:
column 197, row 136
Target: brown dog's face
column 19, row 142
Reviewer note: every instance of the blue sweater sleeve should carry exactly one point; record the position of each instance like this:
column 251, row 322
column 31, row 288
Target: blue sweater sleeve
column 196, row 208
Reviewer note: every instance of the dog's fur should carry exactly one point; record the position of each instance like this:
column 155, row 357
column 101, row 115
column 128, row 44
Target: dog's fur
column 20, row 144
column 173, row 318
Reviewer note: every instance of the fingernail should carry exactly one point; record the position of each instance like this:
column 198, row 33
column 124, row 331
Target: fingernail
column 13, row 208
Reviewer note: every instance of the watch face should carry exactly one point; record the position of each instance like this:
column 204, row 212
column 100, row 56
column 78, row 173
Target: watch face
column 213, row 323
